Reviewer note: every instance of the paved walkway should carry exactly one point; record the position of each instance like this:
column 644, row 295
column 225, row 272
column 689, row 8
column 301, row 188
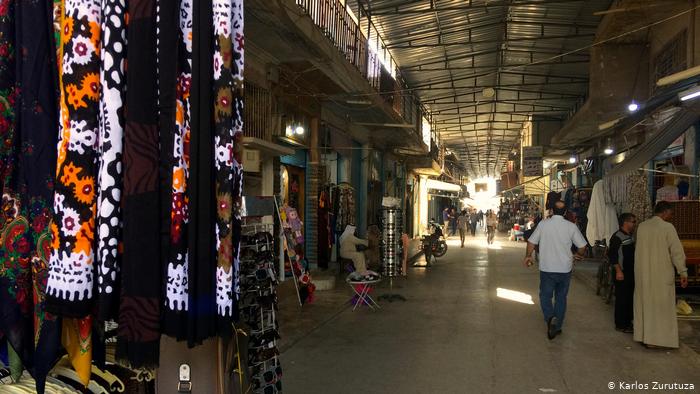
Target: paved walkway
column 471, row 324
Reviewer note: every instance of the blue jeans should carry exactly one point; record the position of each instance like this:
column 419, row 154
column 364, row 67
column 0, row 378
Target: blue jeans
column 557, row 284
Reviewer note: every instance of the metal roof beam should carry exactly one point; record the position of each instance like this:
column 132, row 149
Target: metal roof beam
column 397, row 10
column 411, row 45
column 502, row 86
column 558, row 61
column 467, row 31
column 473, row 93
column 461, row 56
column 522, row 118
column 526, row 101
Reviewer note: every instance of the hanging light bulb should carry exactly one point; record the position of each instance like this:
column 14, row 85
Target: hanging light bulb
column 608, row 150
column 572, row 159
column 633, row 106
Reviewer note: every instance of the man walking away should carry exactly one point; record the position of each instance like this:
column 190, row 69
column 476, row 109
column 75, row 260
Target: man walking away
column 463, row 224
column 446, row 222
column 453, row 221
column 659, row 251
column 554, row 237
column 473, row 219
column 621, row 257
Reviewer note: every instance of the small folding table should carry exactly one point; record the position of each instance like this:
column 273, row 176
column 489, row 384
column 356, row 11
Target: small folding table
column 361, row 288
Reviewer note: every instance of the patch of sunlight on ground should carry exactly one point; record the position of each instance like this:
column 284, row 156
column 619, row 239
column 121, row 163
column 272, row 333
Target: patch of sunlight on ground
column 513, row 295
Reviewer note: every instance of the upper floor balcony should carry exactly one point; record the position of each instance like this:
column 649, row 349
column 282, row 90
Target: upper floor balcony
column 326, row 52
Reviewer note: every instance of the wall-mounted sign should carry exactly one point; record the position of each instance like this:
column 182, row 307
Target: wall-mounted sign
column 532, row 161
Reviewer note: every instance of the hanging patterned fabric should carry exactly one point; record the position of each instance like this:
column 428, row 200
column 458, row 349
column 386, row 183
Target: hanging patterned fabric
column 176, row 287
column 223, row 143
column 239, row 89
column 638, row 199
column 71, row 273
column 28, row 128
column 202, row 205
column 138, row 334
column 109, row 175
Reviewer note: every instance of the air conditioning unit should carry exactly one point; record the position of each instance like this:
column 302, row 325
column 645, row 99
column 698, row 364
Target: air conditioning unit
column 251, row 160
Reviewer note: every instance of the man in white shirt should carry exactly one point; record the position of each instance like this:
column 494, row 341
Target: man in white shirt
column 555, row 237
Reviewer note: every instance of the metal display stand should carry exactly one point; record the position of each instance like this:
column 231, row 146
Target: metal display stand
column 259, row 206
column 391, row 249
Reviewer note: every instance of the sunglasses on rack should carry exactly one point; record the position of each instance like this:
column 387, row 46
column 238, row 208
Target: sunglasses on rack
column 270, row 376
column 271, row 388
column 249, row 256
column 265, row 339
column 260, row 369
column 263, row 355
column 262, row 274
column 253, row 298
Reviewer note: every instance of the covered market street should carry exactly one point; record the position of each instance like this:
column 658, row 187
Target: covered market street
column 471, row 323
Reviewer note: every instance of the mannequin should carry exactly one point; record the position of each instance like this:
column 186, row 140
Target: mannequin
column 348, row 243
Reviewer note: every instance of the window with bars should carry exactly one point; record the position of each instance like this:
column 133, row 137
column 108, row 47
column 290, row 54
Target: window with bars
column 672, row 58
column 257, row 112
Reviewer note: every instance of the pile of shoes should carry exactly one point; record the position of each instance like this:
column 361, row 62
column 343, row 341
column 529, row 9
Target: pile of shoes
column 363, row 277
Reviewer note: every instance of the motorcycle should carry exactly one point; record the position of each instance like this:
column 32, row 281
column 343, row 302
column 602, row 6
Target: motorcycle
column 434, row 244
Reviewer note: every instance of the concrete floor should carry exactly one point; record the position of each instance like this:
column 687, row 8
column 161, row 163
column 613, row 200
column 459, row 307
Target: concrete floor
column 456, row 335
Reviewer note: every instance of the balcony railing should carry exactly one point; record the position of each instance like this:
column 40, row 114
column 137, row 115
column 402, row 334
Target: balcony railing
column 257, row 112
column 354, row 38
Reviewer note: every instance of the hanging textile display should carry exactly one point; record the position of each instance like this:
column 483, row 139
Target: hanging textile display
column 139, row 310
column 177, row 289
column 638, row 200
column 121, row 186
column 201, row 322
column 345, row 207
column 223, row 144
column 29, row 131
column 109, row 175
column 238, row 52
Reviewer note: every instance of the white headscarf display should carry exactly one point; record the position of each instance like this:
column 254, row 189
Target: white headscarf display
column 349, row 231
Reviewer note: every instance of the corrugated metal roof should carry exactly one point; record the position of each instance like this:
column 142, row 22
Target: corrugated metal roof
column 449, row 51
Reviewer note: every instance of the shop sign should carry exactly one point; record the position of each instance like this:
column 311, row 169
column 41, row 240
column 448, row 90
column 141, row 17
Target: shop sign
column 532, row 161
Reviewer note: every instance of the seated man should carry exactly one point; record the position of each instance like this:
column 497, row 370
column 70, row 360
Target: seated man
column 349, row 250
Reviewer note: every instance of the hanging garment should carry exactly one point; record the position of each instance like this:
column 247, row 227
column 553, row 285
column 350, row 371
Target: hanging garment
column 138, row 333
column 28, row 121
column 71, row 275
column 222, row 90
column 237, row 63
column 201, row 238
column 324, row 243
column 602, row 218
column 70, row 284
column 176, row 303
column 638, row 201
column 108, row 220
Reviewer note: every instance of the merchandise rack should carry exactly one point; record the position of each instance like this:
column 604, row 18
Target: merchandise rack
column 265, row 319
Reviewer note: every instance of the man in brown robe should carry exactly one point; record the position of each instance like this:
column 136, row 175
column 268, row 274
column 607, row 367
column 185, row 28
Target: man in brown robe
column 658, row 251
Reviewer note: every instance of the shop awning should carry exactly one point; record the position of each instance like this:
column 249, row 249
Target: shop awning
column 673, row 129
column 439, row 185
column 267, row 147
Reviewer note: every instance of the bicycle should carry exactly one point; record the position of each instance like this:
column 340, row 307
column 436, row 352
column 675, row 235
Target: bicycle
column 605, row 286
